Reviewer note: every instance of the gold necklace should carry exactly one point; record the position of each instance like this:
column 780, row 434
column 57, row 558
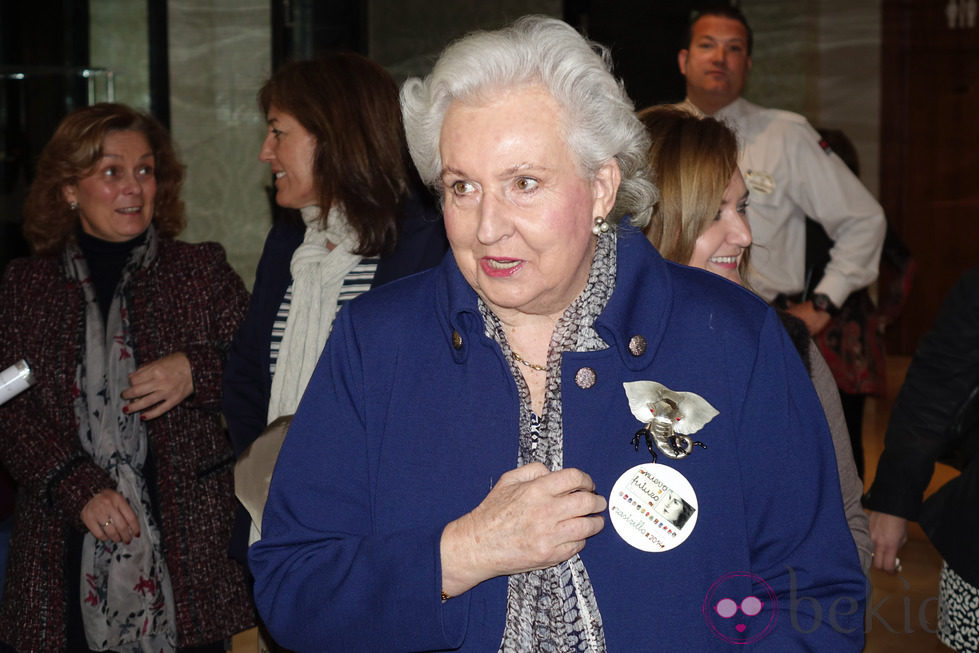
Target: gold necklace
column 517, row 357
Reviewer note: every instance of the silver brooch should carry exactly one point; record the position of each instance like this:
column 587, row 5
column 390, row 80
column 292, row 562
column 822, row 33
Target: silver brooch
column 668, row 417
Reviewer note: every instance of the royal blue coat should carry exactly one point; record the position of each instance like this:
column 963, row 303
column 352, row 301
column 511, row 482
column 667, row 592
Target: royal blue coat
column 401, row 431
column 247, row 383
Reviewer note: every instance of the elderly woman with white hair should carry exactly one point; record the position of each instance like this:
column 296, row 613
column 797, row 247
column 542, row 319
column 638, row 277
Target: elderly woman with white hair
column 468, row 431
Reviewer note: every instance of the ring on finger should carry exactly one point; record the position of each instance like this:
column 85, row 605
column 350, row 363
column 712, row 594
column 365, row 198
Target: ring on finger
column 107, row 523
column 897, row 564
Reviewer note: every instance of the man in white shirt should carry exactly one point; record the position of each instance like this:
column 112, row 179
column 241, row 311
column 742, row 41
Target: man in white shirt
column 790, row 172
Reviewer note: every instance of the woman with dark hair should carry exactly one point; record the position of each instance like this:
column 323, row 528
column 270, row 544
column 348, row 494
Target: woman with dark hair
column 337, row 152
column 125, row 498
column 700, row 221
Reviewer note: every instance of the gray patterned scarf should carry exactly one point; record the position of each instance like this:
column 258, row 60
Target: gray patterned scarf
column 554, row 609
column 127, row 599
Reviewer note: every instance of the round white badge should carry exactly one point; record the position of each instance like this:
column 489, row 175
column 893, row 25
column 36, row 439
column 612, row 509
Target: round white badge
column 653, row 507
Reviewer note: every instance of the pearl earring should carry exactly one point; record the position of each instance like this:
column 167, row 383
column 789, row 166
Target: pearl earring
column 600, row 226
column 73, row 206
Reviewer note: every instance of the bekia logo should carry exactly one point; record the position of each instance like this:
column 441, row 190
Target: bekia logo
column 738, row 617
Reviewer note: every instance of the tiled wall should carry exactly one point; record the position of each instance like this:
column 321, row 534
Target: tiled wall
column 821, row 58
column 118, row 41
column 849, row 78
column 219, row 56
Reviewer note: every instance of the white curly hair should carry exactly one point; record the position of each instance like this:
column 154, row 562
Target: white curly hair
column 599, row 118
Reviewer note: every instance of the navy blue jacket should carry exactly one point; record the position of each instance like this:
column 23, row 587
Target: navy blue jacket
column 405, row 427
column 247, row 383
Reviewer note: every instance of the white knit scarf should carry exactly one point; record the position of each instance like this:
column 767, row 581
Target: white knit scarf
column 317, row 278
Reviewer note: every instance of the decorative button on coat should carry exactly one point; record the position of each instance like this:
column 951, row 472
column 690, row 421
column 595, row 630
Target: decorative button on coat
column 637, row 345
column 456, row 340
column 585, row 378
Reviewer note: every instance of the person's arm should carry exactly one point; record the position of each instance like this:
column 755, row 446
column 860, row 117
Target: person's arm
column 943, row 371
column 324, row 540
column 38, row 439
column 247, row 381
column 321, row 572
column 829, row 193
column 800, row 543
column 194, row 283
column 851, row 487
column 224, row 302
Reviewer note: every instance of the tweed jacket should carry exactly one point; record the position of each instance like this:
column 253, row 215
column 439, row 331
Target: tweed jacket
column 412, row 415
column 188, row 300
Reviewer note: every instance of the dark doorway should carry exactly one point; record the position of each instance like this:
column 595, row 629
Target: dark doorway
column 644, row 38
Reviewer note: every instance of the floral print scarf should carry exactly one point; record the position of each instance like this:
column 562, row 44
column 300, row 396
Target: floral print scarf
column 127, row 600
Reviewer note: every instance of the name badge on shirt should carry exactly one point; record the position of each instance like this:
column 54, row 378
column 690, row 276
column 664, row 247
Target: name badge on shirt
column 653, row 507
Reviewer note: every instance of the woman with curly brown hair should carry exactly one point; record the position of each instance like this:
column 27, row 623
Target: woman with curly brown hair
column 125, row 494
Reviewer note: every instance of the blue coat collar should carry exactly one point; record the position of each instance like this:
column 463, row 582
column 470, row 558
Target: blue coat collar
column 633, row 322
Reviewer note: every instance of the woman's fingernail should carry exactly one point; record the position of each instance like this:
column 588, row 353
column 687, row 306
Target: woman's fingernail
column 125, row 409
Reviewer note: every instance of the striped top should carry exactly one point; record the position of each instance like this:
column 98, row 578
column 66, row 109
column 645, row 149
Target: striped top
column 357, row 282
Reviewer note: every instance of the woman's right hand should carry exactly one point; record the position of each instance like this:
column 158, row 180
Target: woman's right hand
column 532, row 519
column 108, row 516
